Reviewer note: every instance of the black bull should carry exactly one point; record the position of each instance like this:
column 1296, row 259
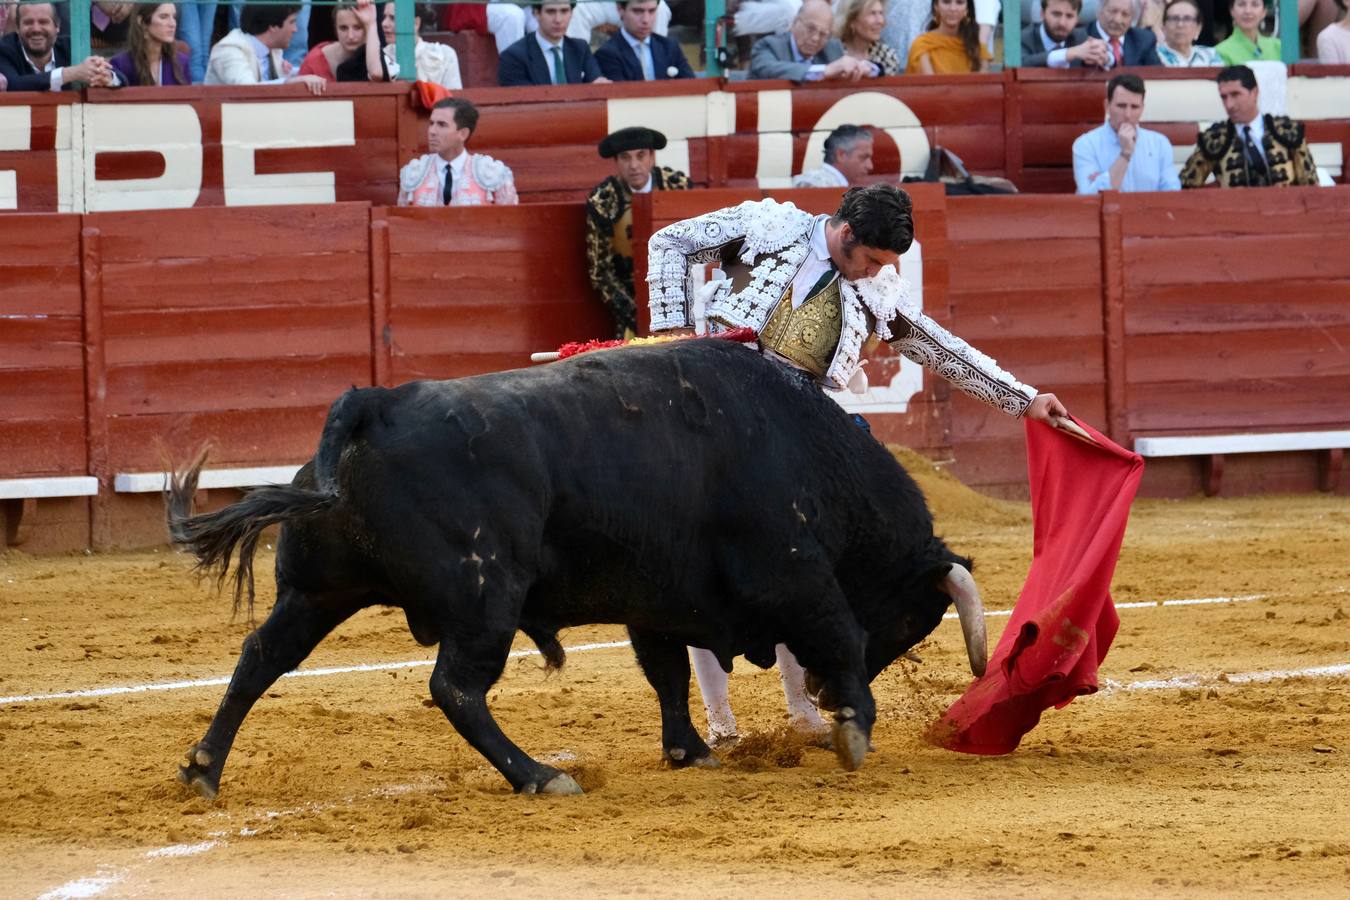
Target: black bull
column 695, row 492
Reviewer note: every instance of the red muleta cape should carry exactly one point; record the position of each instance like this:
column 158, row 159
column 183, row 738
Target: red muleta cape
column 1064, row 620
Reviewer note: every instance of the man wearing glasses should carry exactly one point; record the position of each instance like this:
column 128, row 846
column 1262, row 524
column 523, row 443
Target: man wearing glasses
column 807, row 52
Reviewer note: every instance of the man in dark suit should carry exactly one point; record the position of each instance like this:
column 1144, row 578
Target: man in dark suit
column 635, row 53
column 36, row 58
column 807, row 52
column 1058, row 43
column 549, row 56
column 1127, row 45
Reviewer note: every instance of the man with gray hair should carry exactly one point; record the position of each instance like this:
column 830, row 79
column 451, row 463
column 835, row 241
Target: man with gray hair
column 848, row 160
column 807, row 51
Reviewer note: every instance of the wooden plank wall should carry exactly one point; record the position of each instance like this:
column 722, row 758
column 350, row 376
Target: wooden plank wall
column 41, row 347
column 1026, row 288
column 477, row 289
column 235, row 326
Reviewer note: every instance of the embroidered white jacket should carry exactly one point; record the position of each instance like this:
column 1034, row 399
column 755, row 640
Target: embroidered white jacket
column 773, row 239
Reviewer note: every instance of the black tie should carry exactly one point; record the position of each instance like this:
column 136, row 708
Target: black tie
column 1255, row 158
column 449, row 184
column 826, row 277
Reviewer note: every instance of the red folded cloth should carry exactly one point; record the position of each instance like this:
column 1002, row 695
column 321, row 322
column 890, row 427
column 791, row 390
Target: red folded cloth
column 1064, row 620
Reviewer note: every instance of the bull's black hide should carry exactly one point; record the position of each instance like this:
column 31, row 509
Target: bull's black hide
column 695, row 492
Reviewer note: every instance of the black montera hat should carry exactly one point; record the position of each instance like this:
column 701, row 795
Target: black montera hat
column 634, row 138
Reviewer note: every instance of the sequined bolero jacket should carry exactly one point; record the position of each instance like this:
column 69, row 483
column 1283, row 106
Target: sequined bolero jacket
column 772, row 239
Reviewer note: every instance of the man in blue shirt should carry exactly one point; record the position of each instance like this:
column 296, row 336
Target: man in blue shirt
column 1119, row 155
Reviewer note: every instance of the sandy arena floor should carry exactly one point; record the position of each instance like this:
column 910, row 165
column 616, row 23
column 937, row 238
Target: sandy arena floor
column 1181, row 778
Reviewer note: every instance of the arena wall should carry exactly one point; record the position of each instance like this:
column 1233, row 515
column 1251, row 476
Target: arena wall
column 127, row 337
column 182, row 147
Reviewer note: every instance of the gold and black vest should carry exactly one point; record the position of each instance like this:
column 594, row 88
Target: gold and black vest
column 808, row 335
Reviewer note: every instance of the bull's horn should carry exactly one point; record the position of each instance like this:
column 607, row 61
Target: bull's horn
column 960, row 586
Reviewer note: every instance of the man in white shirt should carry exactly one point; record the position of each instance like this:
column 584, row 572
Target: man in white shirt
column 848, row 159
column 1119, row 155
column 253, row 52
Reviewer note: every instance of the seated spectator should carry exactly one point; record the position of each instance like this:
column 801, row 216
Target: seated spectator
column 609, row 218
column 858, row 25
column 1249, row 149
column 636, row 52
column 502, row 19
column 1128, row 45
column 355, row 53
column 597, row 13
column 196, row 27
column 150, row 57
column 436, row 62
column 36, row 58
column 1058, row 43
column 1247, row 43
column 848, row 160
column 549, row 56
column 1333, row 44
column 1119, row 155
column 109, row 25
column 807, row 51
column 252, row 53
column 1181, row 26
column 450, row 175
column 951, row 45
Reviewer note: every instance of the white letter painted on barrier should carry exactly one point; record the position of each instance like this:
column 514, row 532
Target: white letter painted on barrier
column 248, row 127
column 171, row 130
column 16, row 133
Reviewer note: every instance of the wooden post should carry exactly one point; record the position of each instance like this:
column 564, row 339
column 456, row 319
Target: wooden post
column 95, row 387
column 1113, row 318
column 381, row 341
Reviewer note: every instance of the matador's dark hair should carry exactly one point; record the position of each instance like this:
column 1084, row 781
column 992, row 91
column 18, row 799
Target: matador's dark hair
column 880, row 215
column 1241, row 74
column 465, row 113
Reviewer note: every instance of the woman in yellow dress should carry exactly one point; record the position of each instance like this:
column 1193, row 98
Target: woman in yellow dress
column 951, row 45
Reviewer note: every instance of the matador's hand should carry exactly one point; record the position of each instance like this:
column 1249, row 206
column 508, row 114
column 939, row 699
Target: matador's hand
column 1044, row 407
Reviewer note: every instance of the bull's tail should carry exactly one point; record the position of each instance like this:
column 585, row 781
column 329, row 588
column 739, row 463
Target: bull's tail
column 213, row 538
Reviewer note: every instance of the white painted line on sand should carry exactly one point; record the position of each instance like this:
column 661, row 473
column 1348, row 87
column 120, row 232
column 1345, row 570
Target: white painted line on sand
column 421, row 663
column 1192, row 680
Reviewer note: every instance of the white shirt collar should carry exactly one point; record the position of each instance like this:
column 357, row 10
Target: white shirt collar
column 1049, row 42
column 819, row 246
column 839, row 176
column 456, row 165
column 1258, row 126
column 51, row 59
column 646, row 188
column 546, row 46
column 261, row 50
column 632, row 41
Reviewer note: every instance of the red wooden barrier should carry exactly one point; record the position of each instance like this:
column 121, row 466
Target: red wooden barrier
column 41, row 347
column 478, row 289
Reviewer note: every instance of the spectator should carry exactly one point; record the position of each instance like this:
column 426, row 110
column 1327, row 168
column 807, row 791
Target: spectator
column 806, row 51
column 1127, row 44
column 36, row 58
column 450, row 175
column 150, row 57
column 848, row 160
column 858, row 25
column 1249, row 149
column 355, row 55
column 1058, row 43
column 609, row 218
column 951, row 45
column 636, row 53
column 109, row 24
column 592, row 14
column 1119, row 155
column 502, row 19
column 549, row 56
column 1181, row 26
column 252, row 53
column 1333, row 44
column 196, row 27
column 436, row 62
column 1247, row 43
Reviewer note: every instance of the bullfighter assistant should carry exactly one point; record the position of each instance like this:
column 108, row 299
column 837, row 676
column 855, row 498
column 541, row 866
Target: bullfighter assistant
column 814, row 288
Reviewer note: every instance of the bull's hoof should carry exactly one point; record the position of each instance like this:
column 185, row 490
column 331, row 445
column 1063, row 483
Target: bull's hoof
column 679, row 758
column 562, row 784
column 197, row 773
column 850, row 745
